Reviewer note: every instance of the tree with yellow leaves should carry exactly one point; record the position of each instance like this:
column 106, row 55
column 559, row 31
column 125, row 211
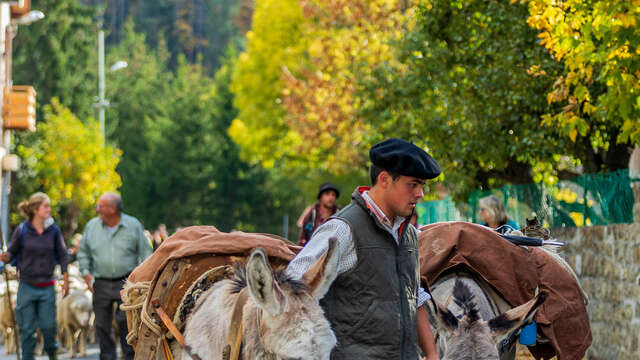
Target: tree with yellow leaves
column 296, row 84
column 274, row 41
column 598, row 42
column 68, row 161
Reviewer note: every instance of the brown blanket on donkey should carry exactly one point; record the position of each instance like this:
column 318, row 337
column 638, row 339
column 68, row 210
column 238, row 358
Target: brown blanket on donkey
column 515, row 272
column 199, row 240
column 193, row 252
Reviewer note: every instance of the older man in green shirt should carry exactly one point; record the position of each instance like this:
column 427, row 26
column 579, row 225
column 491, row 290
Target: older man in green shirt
column 113, row 244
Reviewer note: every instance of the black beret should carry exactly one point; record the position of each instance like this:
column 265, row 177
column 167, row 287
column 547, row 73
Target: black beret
column 328, row 186
column 404, row 158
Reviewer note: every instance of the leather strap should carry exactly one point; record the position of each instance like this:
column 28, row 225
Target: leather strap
column 234, row 337
column 173, row 330
column 167, row 350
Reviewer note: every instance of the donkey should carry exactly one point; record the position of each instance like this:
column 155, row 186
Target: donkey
column 281, row 318
column 477, row 332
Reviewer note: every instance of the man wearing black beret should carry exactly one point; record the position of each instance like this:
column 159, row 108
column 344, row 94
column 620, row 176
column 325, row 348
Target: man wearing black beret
column 376, row 306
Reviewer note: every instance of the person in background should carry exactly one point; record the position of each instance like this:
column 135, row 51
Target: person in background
column 37, row 245
column 303, row 214
column 319, row 212
column 494, row 215
column 75, row 245
column 113, row 244
column 159, row 236
column 149, row 237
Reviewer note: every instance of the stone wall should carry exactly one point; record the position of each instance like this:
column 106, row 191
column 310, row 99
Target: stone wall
column 607, row 261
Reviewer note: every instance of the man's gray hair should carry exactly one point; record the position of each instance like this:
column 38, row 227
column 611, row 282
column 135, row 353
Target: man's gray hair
column 114, row 199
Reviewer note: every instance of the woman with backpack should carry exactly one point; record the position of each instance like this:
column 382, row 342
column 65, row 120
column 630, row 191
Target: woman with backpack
column 36, row 247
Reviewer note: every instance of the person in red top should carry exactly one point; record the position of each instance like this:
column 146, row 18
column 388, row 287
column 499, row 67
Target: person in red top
column 319, row 212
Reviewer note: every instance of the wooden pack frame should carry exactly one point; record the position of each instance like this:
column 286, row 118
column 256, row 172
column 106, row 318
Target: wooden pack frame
column 177, row 289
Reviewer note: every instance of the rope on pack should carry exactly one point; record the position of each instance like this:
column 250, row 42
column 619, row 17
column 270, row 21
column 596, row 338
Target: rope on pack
column 134, row 303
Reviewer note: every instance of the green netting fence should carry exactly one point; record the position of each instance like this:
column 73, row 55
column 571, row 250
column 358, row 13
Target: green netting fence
column 587, row 200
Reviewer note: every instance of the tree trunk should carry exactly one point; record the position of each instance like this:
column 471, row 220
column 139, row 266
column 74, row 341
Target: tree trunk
column 69, row 215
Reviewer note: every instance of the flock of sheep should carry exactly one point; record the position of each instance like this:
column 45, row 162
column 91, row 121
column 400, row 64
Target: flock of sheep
column 74, row 314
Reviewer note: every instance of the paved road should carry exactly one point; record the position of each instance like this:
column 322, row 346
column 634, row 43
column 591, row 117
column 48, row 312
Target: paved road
column 92, row 354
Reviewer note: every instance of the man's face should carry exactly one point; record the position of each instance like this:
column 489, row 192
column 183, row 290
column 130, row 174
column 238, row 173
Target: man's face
column 105, row 208
column 328, row 198
column 402, row 195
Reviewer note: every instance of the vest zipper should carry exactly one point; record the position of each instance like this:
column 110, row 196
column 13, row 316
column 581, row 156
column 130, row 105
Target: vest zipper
column 402, row 312
column 405, row 303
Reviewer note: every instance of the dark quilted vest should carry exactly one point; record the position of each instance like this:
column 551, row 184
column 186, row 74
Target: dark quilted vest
column 372, row 307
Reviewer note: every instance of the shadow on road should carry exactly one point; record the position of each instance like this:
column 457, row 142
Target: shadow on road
column 92, row 354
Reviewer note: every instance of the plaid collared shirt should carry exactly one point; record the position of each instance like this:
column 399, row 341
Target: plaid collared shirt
column 346, row 248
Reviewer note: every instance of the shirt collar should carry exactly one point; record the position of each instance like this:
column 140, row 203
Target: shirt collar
column 379, row 214
column 121, row 223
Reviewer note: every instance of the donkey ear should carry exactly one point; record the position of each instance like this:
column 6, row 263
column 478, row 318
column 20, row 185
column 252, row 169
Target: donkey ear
column 446, row 320
column 323, row 272
column 262, row 285
column 516, row 318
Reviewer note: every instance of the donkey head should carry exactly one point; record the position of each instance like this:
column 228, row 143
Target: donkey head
column 469, row 337
column 288, row 320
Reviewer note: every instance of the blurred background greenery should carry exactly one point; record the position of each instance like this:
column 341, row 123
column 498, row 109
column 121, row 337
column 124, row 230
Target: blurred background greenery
column 232, row 112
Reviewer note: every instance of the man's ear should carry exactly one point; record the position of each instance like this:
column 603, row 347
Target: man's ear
column 384, row 178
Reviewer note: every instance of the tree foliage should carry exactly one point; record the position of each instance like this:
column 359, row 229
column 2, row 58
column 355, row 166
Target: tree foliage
column 179, row 166
column 198, row 176
column 311, row 55
column 346, row 40
column 598, row 44
column 56, row 54
column 198, row 29
column 464, row 88
column 466, row 79
column 273, row 43
column 472, row 88
column 67, row 161
column 448, row 75
column 138, row 96
column 498, row 92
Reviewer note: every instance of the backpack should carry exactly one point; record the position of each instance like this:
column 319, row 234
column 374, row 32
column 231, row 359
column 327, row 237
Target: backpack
column 23, row 232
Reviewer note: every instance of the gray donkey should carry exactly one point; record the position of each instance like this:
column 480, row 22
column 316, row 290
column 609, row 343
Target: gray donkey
column 281, row 318
column 478, row 332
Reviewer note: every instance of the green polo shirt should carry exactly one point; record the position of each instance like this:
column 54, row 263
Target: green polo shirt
column 107, row 255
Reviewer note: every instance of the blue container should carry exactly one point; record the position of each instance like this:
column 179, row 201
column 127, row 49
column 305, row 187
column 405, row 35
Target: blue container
column 528, row 334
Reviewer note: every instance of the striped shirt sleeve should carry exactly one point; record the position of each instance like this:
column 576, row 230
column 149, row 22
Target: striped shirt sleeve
column 318, row 245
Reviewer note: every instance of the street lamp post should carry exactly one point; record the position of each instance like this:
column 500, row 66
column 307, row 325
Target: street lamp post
column 101, row 102
column 5, row 135
column 27, row 19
